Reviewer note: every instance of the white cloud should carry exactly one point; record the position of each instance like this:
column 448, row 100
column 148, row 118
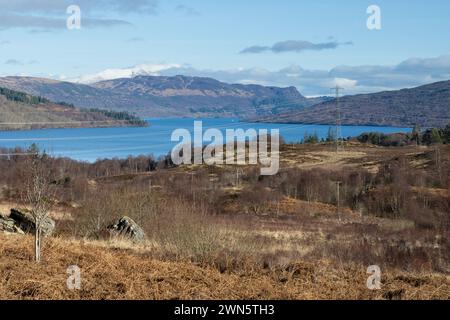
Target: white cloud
column 355, row 79
column 139, row 70
column 253, row 81
column 344, row 83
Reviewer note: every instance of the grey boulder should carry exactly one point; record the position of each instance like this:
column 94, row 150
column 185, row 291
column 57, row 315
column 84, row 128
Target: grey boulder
column 127, row 228
column 9, row 225
column 25, row 221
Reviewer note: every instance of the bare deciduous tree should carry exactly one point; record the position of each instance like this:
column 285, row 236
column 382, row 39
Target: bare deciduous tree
column 38, row 196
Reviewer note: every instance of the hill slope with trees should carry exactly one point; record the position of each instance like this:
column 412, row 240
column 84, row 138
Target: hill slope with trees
column 427, row 106
column 21, row 111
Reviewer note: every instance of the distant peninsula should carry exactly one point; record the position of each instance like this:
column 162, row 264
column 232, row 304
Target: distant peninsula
column 22, row 111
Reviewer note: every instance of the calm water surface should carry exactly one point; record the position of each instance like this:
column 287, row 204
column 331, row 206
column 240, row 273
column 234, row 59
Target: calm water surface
column 92, row 144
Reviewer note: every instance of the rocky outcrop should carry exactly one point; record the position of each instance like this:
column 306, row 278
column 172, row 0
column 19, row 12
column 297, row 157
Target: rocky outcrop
column 9, row 225
column 126, row 227
column 25, row 221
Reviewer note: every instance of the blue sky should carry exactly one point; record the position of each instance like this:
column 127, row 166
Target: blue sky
column 329, row 41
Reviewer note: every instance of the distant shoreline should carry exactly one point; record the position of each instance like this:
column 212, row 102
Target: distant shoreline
column 278, row 122
column 75, row 126
column 334, row 124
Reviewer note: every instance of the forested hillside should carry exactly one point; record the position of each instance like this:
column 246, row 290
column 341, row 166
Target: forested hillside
column 427, row 106
column 20, row 111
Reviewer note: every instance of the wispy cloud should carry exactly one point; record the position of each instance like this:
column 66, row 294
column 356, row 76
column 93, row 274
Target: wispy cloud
column 255, row 49
column 48, row 15
column 15, row 62
column 40, row 24
column 295, row 46
column 52, row 7
column 189, row 11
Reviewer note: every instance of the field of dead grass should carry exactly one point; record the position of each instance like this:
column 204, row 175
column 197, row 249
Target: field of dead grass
column 113, row 273
column 231, row 235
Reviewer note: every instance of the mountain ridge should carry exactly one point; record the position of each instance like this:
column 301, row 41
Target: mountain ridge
column 183, row 96
column 159, row 96
column 427, row 106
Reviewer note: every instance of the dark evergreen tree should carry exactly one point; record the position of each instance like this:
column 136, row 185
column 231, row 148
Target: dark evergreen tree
column 432, row 136
column 446, row 134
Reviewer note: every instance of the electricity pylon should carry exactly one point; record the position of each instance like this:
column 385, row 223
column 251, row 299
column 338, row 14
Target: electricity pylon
column 338, row 137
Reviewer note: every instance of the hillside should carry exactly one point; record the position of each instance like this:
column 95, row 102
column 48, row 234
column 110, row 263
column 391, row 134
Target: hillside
column 280, row 237
column 20, row 111
column 179, row 96
column 428, row 106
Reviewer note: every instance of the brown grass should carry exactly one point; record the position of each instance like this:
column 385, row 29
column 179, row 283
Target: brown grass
column 211, row 235
column 109, row 273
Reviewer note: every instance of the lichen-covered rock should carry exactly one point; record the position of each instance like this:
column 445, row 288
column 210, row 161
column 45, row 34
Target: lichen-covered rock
column 9, row 225
column 25, row 221
column 127, row 228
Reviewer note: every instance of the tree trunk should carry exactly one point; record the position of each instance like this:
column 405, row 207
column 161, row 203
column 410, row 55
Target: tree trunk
column 37, row 242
